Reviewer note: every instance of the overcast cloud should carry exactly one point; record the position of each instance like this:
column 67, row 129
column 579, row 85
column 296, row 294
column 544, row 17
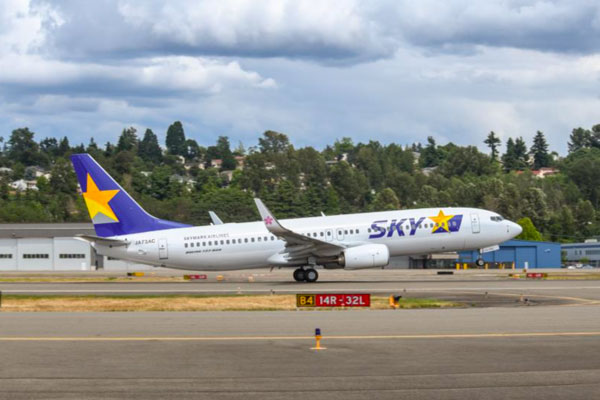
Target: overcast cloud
column 394, row 71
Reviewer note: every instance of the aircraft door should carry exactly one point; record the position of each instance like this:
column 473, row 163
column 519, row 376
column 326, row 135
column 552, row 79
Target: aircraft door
column 475, row 226
column 340, row 234
column 163, row 252
column 329, row 234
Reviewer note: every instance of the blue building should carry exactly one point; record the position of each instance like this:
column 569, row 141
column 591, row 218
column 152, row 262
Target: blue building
column 536, row 254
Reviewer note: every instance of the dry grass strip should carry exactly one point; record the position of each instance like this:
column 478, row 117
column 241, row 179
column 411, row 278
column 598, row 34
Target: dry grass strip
column 18, row 303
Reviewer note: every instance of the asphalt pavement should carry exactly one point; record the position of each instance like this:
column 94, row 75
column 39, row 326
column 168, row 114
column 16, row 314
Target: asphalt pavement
column 493, row 353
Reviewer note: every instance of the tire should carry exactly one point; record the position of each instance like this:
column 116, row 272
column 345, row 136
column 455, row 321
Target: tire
column 311, row 275
column 479, row 262
column 299, row 275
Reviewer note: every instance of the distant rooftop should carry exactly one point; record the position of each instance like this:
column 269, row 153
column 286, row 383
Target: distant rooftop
column 46, row 230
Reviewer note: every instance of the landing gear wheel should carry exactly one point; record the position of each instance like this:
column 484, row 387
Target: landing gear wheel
column 479, row 262
column 311, row 275
column 299, row 275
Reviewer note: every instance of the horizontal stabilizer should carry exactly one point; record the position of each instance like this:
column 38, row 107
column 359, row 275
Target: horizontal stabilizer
column 102, row 240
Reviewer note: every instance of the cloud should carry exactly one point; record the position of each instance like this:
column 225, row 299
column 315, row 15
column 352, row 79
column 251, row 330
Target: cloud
column 328, row 31
column 325, row 30
column 388, row 70
column 455, row 26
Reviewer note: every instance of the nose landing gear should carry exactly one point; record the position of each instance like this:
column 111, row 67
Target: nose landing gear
column 309, row 275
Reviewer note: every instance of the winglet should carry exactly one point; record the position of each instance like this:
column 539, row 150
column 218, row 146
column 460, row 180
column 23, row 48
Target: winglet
column 215, row 218
column 270, row 221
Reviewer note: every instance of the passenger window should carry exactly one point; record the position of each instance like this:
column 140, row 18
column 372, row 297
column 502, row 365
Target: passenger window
column 227, row 241
column 272, row 238
column 345, row 232
column 222, row 242
column 192, row 244
column 357, row 231
column 185, row 245
column 252, row 239
column 203, row 244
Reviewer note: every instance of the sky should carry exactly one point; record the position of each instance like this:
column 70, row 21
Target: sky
column 394, row 71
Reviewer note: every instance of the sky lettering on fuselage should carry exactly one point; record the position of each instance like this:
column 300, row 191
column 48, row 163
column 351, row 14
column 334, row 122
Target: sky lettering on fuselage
column 380, row 228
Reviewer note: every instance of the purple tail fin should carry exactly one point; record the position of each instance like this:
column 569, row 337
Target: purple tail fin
column 111, row 208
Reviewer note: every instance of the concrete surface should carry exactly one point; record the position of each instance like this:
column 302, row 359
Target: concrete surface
column 493, row 353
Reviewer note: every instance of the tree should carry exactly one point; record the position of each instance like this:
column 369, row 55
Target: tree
column 493, row 142
column 430, row 156
column 529, row 230
column 22, row 147
column 539, row 150
column 580, row 138
column 49, row 146
column 149, row 149
column 583, row 168
column 516, row 157
column 62, row 178
column 128, row 141
column 386, row 200
column 192, row 150
column 64, row 147
column 273, row 142
column 176, row 139
column 223, row 148
column 521, row 154
column 466, row 160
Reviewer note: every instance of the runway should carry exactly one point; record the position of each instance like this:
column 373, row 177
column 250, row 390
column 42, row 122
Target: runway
column 567, row 291
column 530, row 352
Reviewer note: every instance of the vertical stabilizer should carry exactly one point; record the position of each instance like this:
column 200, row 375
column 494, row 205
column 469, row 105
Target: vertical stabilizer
column 111, row 208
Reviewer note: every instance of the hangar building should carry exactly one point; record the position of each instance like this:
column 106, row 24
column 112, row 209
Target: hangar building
column 588, row 252
column 536, row 254
column 48, row 247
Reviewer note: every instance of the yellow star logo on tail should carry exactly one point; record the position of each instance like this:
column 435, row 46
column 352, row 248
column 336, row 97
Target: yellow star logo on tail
column 441, row 222
column 97, row 200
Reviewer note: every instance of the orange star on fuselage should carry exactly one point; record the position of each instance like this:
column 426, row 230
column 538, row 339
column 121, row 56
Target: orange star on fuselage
column 441, row 221
column 97, row 200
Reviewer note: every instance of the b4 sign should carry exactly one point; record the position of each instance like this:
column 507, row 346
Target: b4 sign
column 333, row 300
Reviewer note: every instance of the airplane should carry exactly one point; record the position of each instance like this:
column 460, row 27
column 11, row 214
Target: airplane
column 124, row 230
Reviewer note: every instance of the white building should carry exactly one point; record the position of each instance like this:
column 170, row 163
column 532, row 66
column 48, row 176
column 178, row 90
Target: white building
column 53, row 247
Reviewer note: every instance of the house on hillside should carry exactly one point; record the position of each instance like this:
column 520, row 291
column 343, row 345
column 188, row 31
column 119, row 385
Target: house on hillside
column 22, row 185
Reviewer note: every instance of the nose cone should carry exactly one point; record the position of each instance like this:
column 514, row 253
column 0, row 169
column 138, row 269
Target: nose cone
column 514, row 229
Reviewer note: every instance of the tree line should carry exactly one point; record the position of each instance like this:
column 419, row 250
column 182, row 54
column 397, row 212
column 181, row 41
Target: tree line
column 183, row 180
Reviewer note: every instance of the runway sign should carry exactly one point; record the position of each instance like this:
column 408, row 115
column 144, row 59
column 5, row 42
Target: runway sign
column 333, row 300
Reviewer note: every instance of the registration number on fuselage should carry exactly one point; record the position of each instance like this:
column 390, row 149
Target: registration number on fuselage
column 333, row 300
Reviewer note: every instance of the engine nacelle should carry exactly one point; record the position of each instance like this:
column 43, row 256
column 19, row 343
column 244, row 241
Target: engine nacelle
column 365, row 256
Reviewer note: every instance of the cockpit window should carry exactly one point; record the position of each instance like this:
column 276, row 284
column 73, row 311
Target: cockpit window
column 496, row 218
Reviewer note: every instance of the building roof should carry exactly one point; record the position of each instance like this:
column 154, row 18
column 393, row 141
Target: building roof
column 576, row 245
column 521, row 242
column 46, row 230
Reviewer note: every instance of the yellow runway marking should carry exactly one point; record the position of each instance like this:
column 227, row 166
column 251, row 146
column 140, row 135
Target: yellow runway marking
column 282, row 338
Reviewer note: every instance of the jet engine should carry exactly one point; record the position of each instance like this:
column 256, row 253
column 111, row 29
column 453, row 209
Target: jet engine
column 365, row 256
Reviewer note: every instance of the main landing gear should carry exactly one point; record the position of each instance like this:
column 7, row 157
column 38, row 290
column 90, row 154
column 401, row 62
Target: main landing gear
column 309, row 275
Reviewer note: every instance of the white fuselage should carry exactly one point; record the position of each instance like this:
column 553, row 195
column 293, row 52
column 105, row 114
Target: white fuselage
column 248, row 245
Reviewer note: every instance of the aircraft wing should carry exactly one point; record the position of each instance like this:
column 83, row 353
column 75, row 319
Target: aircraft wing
column 298, row 246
